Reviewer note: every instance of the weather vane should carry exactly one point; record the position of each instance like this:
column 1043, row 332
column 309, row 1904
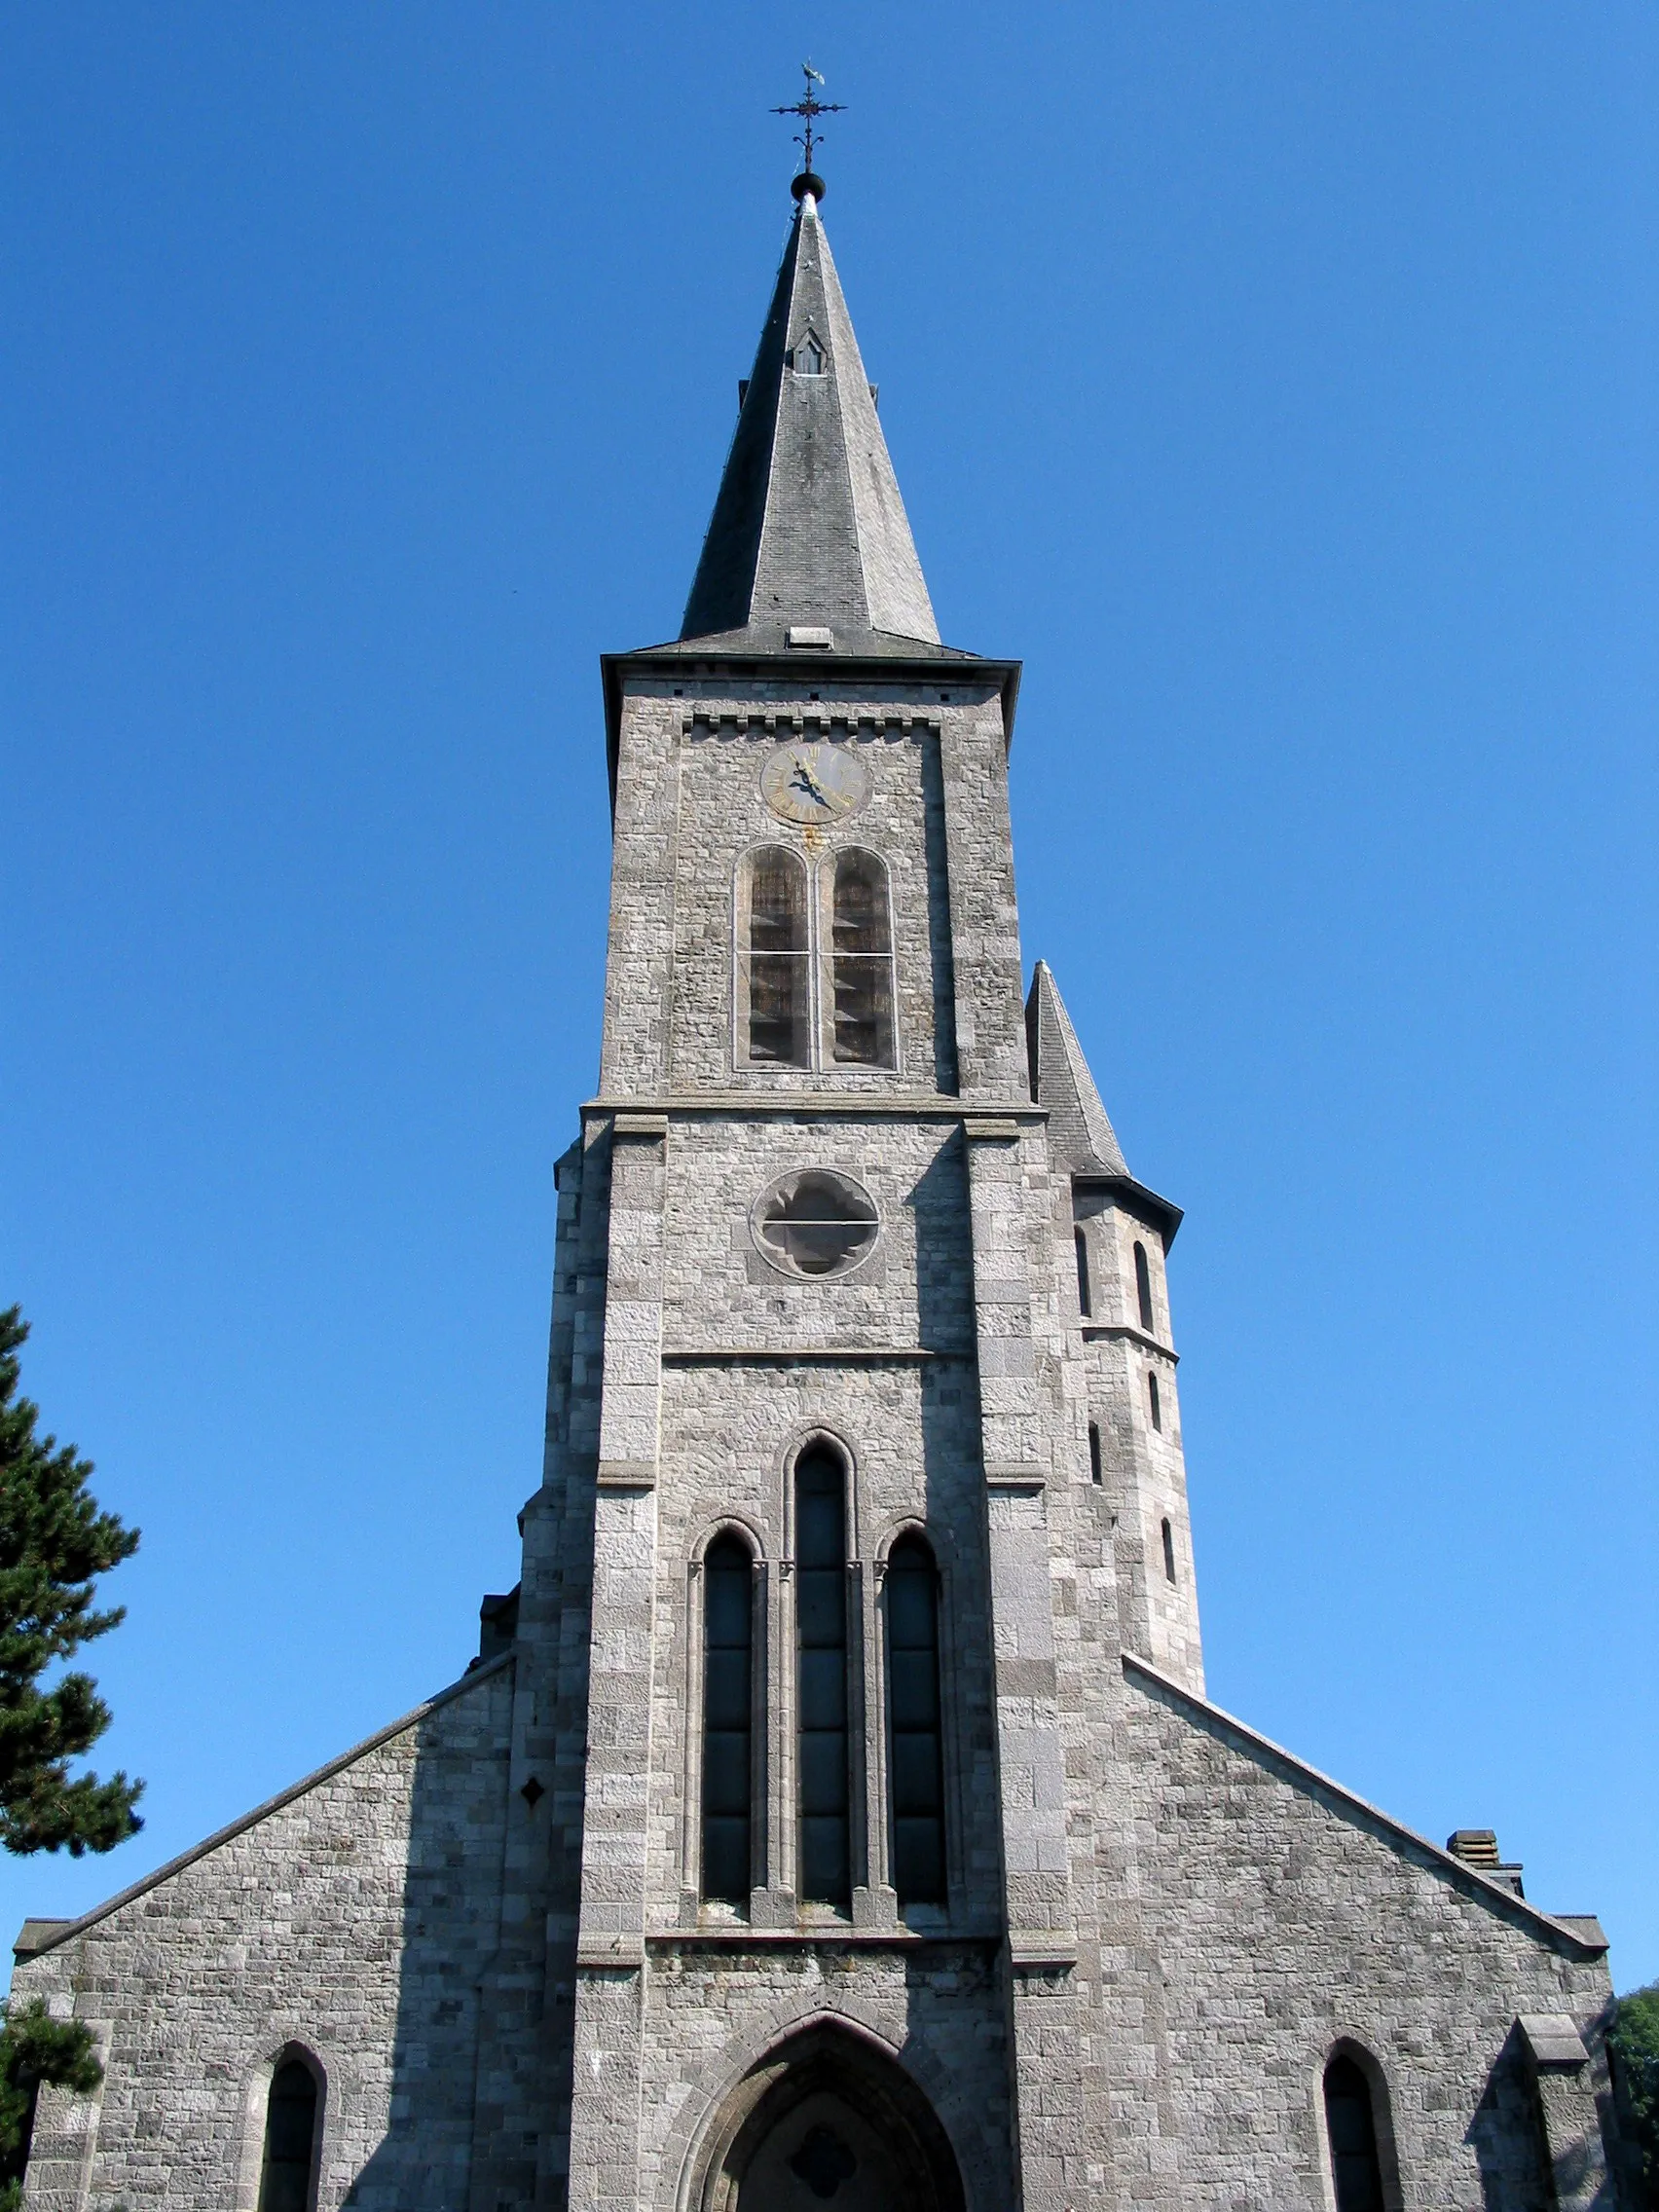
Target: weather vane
column 809, row 107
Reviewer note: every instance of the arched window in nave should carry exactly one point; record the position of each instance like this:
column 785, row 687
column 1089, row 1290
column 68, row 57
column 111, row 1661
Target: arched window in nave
column 915, row 1743
column 290, row 2138
column 823, row 1770
column 861, row 963
column 1351, row 2124
column 774, row 1017
column 729, row 1721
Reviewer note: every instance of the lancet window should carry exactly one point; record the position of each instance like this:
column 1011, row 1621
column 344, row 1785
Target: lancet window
column 823, row 1764
column 861, row 963
column 1143, row 1288
column 914, row 1741
column 774, row 985
column 815, row 953
column 290, row 2139
column 729, row 1721
column 1351, row 2126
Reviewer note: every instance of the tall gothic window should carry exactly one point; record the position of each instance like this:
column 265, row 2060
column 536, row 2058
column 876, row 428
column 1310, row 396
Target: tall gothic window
column 861, row 963
column 913, row 1723
column 1094, row 1469
column 1350, row 2126
column 1143, row 1288
column 1169, row 1553
column 728, row 1720
column 1155, row 1404
column 1080, row 1242
column 772, row 959
column 820, row 1632
column 290, row 2139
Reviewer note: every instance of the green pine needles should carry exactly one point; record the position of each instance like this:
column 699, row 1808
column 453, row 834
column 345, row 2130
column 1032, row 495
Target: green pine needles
column 1633, row 2037
column 35, row 2048
column 54, row 1542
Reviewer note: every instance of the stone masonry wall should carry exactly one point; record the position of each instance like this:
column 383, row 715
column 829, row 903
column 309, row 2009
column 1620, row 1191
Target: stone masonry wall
column 354, row 1917
column 1283, row 1918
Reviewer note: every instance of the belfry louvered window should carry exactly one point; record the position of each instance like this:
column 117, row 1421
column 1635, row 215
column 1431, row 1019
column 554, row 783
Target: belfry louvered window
column 774, row 1010
column 290, row 2139
column 729, row 1721
column 814, row 981
column 914, row 1741
column 822, row 1769
column 862, row 962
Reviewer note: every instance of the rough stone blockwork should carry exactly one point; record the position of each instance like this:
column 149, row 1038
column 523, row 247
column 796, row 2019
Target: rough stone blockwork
column 352, row 1918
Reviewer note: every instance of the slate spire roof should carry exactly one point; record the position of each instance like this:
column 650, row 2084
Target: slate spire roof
column 1079, row 1131
column 808, row 530
column 1082, row 1141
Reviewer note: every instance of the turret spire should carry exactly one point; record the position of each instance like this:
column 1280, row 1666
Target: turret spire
column 808, row 530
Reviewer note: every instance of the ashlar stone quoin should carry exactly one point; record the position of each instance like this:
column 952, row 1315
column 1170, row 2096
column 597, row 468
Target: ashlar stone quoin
column 834, row 1814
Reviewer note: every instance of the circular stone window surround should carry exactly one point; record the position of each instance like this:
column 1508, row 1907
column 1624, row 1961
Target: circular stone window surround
column 814, row 1225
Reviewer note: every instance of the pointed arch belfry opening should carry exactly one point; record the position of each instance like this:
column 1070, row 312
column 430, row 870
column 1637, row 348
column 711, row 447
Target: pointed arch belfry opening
column 827, row 2119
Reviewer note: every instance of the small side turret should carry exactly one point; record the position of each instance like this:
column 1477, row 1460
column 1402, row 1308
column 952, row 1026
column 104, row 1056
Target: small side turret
column 1122, row 1233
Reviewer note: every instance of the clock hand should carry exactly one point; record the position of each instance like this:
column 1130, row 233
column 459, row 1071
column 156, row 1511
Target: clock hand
column 808, row 783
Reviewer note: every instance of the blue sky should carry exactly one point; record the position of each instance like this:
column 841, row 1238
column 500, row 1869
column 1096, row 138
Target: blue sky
column 1276, row 381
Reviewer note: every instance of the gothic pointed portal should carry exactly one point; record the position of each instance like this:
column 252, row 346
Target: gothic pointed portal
column 827, row 2120
column 808, row 531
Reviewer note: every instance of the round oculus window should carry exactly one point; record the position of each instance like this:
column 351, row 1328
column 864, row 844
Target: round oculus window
column 816, row 1222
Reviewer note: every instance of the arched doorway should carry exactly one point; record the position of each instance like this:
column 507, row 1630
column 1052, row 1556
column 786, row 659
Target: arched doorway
column 828, row 2120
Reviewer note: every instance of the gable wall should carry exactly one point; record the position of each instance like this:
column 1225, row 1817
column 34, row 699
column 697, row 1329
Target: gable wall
column 1280, row 1923
column 355, row 1919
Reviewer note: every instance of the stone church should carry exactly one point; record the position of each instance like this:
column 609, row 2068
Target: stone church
column 835, row 1816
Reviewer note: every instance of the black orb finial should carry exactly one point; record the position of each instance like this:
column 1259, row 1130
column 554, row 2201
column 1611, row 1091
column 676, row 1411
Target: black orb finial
column 807, row 181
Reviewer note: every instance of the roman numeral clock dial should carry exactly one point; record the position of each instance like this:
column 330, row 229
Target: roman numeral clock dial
column 813, row 783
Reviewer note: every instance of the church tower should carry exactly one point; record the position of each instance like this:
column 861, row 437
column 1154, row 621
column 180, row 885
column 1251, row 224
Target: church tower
column 834, row 1815
column 863, row 1448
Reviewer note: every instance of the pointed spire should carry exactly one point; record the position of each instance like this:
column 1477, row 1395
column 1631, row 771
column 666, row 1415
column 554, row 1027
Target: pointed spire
column 808, row 530
column 1080, row 1134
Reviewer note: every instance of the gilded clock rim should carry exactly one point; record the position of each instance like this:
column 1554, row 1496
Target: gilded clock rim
column 817, row 746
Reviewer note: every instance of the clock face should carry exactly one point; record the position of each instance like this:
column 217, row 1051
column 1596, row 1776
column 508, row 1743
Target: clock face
column 814, row 781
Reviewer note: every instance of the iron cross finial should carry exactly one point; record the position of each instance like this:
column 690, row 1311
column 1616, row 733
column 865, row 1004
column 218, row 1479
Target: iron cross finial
column 809, row 107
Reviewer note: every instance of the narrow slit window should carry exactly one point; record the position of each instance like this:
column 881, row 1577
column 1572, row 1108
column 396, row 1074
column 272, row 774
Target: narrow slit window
column 820, row 1631
column 861, row 963
column 729, row 1721
column 1143, row 1288
column 290, row 2139
column 913, row 1724
column 1169, row 1553
column 1351, row 2127
column 773, row 959
column 1095, row 1473
column 1083, row 1304
column 1153, row 1401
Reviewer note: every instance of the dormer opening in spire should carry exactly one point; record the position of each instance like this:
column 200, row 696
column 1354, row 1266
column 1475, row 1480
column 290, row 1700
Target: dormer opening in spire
column 807, row 358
